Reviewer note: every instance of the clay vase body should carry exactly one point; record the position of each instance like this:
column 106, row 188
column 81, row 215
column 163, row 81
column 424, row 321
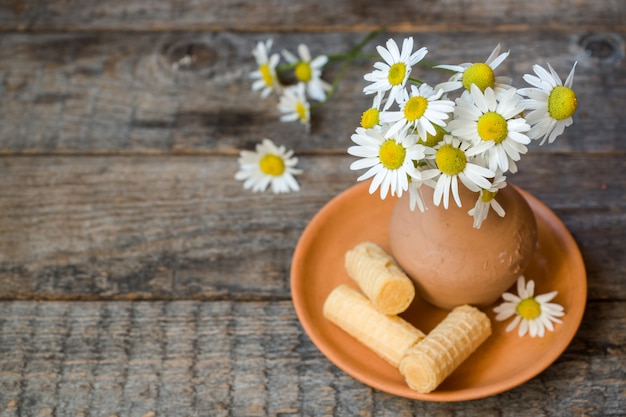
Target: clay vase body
column 451, row 262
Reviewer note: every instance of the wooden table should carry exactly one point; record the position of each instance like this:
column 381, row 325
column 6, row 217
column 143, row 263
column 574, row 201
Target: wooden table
column 138, row 278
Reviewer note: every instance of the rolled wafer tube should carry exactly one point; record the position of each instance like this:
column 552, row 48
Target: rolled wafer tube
column 380, row 278
column 388, row 336
column 432, row 360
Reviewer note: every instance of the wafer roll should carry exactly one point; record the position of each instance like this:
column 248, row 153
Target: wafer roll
column 380, row 278
column 429, row 362
column 388, row 336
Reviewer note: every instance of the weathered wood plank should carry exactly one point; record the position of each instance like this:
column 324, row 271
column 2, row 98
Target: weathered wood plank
column 182, row 227
column 220, row 15
column 251, row 359
column 129, row 93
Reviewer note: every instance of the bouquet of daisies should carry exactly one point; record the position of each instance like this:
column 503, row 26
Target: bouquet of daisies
column 418, row 135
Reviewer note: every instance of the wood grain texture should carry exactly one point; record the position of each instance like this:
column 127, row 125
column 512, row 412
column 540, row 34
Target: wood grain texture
column 319, row 15
column 138, row 278
column 129, row 93
column 230, row 358
column 161, row 227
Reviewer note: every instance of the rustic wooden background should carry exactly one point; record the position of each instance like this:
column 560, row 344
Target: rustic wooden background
column 138, row 278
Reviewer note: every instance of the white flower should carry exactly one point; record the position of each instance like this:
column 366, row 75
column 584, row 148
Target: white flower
column 481, row 74
column 389, row 161
column 269, row 164
column 393, row 74
column 486, row 200
column 415, row 188
column 422, row 109
column 371, row 117
column 265, row 75
column 552, row 102
column 294, row 105
column 452, row 163
column 493, row 126
column 534, row 314
column 309, row 71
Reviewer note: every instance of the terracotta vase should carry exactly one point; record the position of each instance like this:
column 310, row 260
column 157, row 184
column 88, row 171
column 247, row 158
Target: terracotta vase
column 450, row 261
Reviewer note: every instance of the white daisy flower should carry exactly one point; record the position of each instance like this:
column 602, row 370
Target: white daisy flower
column 552, row 102
column 294, row 105
column 453, row 163
column 371, row 117
column 265, row 74
column 393, row 74
column 487, row 200
column 415, row 189
column 269, row 164
column 481, row 74
column 534, row 314
column 422, row 109
column 389, row 160
column 493, row 126
column 309, row 71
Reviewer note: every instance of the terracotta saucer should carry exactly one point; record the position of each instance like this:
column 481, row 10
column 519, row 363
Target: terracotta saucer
column 503, row 362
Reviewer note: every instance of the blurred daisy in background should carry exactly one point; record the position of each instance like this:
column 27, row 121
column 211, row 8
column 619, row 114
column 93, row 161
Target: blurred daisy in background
column 294, row 106
column 268, row 165
column 309, row 71
column 265, row 76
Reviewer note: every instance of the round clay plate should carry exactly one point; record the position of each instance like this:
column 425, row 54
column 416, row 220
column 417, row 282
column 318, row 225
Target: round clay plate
column 501, row 363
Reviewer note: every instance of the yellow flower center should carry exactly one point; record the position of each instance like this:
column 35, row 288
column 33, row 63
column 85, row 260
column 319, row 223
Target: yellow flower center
column 431, row 140
column 369, row 118
column 392, row 154
column 267, row 75
column 415, row 108
column 528, row 308
column 397, row 73
column 301, row 111
column 450, row 160
column 492, row 126
column 562, row 102
column 480, row 74
column 303, row 71
column 486, row 196
column 272, row 165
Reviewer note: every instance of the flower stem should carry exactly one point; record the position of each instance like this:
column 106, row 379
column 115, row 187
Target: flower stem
column 348, row 58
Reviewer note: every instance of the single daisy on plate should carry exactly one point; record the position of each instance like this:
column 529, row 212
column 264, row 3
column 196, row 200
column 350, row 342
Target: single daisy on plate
column 269, row 164
column 552, row 103
column 370, row 118
column 453, row 163
column 294, row 105
column 493, row 125
column 481, row 74
column 420, row 110
column 309, row 71
column 389, row 160
column 393, row 74
column 265, row 76
column 533, row 314
column 487, row 200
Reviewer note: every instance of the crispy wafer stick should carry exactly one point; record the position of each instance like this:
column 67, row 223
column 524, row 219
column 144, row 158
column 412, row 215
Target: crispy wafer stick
column 429, row 362
column 388, row 336
column 380, row 278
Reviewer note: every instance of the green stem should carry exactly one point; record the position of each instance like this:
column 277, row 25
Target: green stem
column 349, row 57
